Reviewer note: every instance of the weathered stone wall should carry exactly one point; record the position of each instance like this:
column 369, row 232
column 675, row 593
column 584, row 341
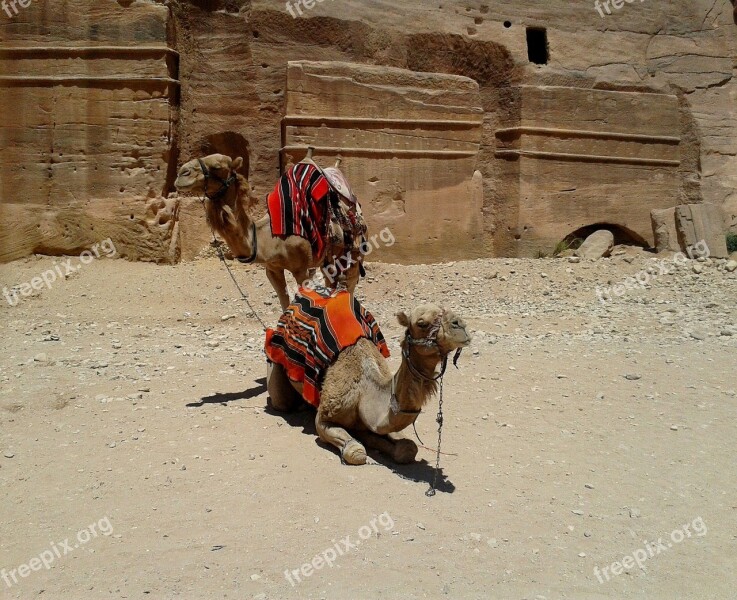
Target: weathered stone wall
column 87, row 124
column 588, row 157
column 409, row 143
column 674, row 61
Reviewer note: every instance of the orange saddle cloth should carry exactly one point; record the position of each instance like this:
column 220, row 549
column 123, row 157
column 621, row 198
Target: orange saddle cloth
column 314, row 329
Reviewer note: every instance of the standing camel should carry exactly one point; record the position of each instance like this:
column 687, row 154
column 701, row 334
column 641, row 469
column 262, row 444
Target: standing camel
column 360, row 393
column 227, row 202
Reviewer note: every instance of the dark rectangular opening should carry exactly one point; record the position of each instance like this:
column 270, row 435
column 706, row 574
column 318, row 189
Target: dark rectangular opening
column 537, row 45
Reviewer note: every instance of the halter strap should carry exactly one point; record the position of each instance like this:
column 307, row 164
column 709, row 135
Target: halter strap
column 224, row 183
column 254, row 245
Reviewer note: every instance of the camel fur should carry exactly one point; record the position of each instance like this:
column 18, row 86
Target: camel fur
column 228, row 216
column 356, row 392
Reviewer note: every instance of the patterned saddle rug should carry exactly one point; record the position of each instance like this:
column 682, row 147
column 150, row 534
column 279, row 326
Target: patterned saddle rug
column 319, row 206
column 315, row 328
column 299, row 206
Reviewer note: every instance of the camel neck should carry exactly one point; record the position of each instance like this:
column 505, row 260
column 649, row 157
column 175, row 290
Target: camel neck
column 413, row 391
column 228, row 217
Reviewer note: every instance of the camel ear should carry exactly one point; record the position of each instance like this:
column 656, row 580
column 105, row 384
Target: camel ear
column 403, row 319
column 237, row 163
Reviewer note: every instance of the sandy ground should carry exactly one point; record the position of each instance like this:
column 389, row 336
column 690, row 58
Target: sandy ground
column 577, row 434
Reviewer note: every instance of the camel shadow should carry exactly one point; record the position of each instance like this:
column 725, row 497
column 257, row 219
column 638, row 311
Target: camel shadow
column 418, row 472
column 224, row 398
column 303, row 417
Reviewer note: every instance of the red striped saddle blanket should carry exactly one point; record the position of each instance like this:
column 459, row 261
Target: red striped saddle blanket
column 315, row 328
column 299, row 205
column 305, row 202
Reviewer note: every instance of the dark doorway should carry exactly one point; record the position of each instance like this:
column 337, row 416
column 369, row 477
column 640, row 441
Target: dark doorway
column 229, row 143
column 622, row 235
column 537, row 45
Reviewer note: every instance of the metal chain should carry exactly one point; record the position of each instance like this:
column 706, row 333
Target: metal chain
column 433, row 486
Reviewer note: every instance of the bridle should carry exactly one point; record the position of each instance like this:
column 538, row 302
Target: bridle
column 429, row 341
column 218, row 195
column 224, row 183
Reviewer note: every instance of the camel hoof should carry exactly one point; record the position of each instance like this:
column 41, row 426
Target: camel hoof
column 405, row 451
column 354, row 453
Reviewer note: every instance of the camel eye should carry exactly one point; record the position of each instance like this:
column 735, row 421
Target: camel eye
column 421, row 324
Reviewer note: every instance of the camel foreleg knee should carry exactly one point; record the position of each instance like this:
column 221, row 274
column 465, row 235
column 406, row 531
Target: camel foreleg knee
column 351, row 450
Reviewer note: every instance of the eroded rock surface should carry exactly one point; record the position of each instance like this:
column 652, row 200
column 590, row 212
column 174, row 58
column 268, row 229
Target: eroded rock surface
column 633, row 111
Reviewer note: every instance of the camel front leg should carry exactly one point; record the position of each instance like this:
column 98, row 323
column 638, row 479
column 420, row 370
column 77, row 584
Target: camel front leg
column 351, row 450
column 353, row 274
column 349, row 277
column 401, row 451
column 302, row 276
column 283, row 396
column 278, row 281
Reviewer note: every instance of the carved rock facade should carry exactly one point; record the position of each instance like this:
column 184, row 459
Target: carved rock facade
column 469, row 129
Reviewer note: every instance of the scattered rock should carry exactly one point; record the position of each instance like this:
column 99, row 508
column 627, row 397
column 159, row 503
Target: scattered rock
column 597, row 245
column 633, row 376
column 42, row 360
column 701, row 227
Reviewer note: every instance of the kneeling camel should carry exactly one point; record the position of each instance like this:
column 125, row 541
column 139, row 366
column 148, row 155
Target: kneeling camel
column 360, row 393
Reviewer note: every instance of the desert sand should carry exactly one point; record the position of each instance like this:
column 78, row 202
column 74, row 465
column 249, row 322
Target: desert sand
column 577, row 433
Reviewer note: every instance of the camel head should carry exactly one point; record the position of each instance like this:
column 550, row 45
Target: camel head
column 442, row 328
column 220, row 168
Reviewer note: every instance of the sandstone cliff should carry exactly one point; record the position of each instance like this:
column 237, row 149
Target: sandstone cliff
column 469, row 128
